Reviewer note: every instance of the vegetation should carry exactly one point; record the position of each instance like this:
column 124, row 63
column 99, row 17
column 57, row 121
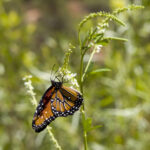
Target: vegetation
column 110, row 56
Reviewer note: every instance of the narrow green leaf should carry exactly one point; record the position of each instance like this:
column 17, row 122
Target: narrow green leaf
column 103, row 42
column 106, row 40
column 95, row 127
column 88, row 125
column 116, row 38
column 100, row 70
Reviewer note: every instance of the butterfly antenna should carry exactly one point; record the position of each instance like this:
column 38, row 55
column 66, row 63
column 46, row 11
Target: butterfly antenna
column 55, row 74
column 51, row 72
column 58, row 78
column 63, row 79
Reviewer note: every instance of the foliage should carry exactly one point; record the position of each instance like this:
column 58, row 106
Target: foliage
column 94, row 40
column 35, row 35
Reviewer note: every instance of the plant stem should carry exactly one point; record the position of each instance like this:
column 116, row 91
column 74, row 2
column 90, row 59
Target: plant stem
column 82, row 76
column 88, row 64
column 81, row 89
column 84, row 131
column 79, row 40
column 82, row 109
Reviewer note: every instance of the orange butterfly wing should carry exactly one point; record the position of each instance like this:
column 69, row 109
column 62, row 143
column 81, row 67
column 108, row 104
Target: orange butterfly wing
column 44, row 115
column 66, row 101
column 62, row 101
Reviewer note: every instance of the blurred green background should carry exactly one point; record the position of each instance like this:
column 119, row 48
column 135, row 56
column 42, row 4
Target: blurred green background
column 34, row 35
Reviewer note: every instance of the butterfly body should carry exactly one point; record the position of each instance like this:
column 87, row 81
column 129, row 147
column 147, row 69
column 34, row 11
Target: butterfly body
column 57, row 85
column 57, row 101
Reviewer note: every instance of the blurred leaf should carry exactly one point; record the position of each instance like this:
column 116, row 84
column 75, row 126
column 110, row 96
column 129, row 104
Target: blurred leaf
column 106, row 40
column 116, row 38
column 100, row 70
column 88, row 125
column 102, row 42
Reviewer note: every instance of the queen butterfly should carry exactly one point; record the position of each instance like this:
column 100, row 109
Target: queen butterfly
column 58, row 100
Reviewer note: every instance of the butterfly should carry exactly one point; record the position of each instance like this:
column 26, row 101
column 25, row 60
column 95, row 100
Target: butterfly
column 57, row 101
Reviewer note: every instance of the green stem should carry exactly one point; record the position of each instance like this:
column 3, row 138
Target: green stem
column 84, row 131
column 82, row 76
column 88, row 64
column 81, row 89
column 79, row 40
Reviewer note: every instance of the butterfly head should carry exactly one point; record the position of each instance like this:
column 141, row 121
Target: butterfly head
column 57, row 85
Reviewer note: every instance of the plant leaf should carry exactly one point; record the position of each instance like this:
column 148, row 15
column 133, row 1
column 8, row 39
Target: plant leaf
column 116, row 38
column 95, row 127
column 88, row 125
column 100, row 70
